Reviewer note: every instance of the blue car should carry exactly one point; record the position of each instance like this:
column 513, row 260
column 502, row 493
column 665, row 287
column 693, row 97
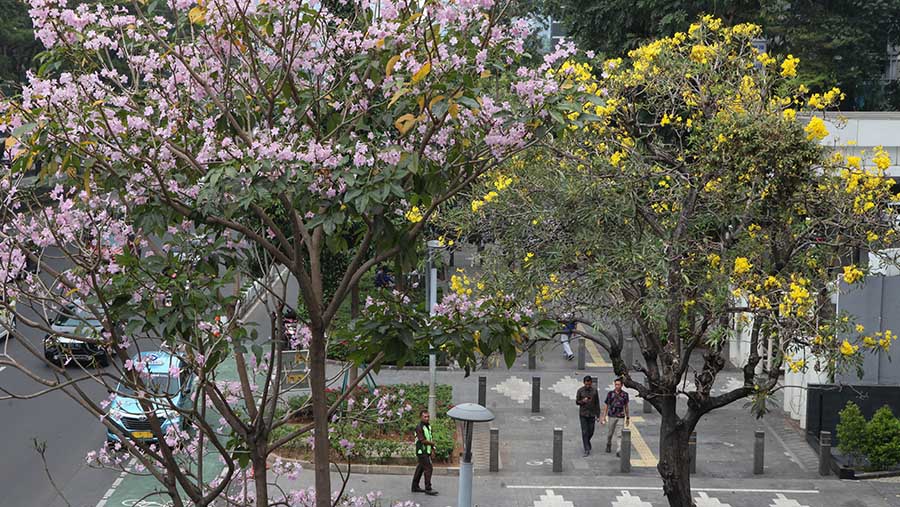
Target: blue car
column 164, row 392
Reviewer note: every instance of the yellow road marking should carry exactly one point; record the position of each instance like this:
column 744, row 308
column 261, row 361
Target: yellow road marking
column 647, row 458
column 598, row 361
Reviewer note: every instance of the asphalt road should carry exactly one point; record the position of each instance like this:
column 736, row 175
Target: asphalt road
column 67, row 429
column 57, row 420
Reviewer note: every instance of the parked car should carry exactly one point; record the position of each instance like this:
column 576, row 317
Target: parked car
column 165, row 391
column 60, row 347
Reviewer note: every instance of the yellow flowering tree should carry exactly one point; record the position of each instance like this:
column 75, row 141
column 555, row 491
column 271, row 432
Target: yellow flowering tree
column 691, row 194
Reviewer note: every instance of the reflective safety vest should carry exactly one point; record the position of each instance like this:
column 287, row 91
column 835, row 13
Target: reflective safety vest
column 420, row 447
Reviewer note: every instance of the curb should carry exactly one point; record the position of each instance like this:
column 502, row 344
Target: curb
column 375, row 469
column 861, row 476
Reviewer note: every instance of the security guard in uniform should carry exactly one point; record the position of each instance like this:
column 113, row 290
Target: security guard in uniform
column 424, row 453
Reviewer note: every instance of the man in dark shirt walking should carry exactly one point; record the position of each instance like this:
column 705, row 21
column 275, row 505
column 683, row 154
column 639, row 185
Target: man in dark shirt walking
column 588, row 401
column 424, row 453
column 617, row 409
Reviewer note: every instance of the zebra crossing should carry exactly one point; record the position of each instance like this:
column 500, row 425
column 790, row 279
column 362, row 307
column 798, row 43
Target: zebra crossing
column 574, row 496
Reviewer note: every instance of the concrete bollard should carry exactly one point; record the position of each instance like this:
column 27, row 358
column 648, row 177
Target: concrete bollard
column 495, row 450
column 692, row 451
column 482, row 391
column 825, row 453
column 532, row 359
column 582, row 354
column 759, row 450
column 625, row 452
column 535, row 395
column 557, row 449
column 648, row 408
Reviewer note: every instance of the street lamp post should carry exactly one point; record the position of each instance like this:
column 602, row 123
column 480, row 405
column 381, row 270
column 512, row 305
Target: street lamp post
column 469, row 414
column 431, row 289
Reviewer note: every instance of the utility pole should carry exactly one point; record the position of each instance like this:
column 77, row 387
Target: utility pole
column 431, row 294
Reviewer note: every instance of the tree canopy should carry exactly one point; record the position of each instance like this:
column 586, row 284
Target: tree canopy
column 685, row 199
column 183, row 141
column 17, row 44
column 841, row 43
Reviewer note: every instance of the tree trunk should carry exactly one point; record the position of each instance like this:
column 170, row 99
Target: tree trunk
column 674, row 461
column 321, row 458
column 354, row 313
column 260, row 481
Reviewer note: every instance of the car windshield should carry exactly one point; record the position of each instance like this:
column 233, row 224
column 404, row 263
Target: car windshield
column 72, row 316
column 159, row 384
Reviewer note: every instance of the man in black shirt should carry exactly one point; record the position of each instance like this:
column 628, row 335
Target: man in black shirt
column 424, row 453
column 588, row 401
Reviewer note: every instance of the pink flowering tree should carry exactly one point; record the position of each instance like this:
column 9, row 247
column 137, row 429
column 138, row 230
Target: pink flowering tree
column 189, row 145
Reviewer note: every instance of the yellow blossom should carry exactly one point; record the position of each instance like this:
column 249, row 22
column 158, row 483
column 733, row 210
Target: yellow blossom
column 854, row 162
column 815, row 129
column 713, row 260
column 502, row 182
column 789, row 66
column 414, row 215
column 795, row 366
column 871, row 236
column 741, row 265
column 848, row 349
column 882, row 160
column 860, row 328
column 476, row 205
column 771, row 283
column 789, row 114
column 701, row 53
column 852, row 274
column 765, row 59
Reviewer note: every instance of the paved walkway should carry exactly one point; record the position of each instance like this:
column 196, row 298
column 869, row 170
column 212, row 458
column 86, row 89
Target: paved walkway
column 568, row 491
column 724, row 441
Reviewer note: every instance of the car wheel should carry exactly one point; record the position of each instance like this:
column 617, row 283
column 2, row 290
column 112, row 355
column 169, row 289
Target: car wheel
column 103, row 360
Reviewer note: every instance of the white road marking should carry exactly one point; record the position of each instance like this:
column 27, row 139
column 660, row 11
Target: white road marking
column 782, row 501
column 704, row 500
column 551, row 499
column 659, row 488
column 116, row 483
column 567, row 386
column 514, row 388
column 2, row 368
column 626, row 500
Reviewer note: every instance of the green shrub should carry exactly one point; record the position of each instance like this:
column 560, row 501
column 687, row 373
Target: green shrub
column 883, row 439
column 376, row 439
column 852, row 433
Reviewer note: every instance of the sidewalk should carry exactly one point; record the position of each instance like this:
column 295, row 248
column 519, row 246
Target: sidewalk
column 724, row 437
column 568, row 491
column 724, row 475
